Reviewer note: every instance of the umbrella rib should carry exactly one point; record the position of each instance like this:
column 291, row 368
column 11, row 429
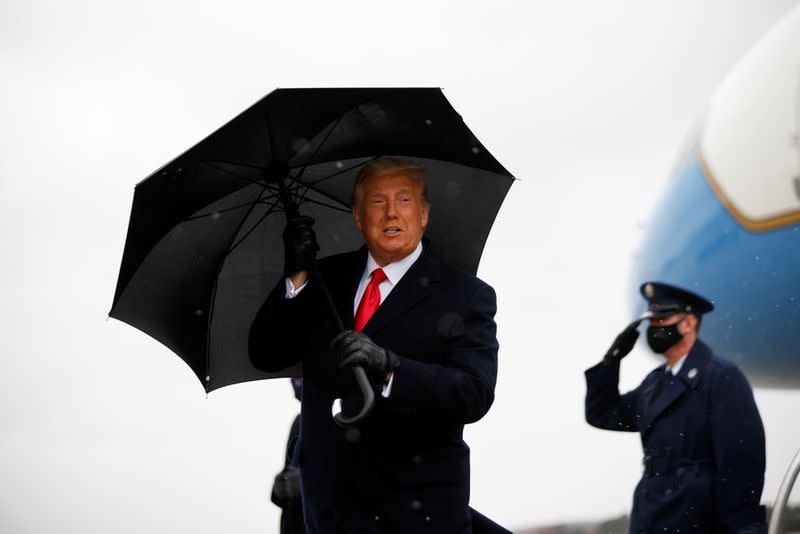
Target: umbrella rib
column 323, row 204
column 271, row 210
column 217, row 212
column 293, row 179
column 342, row 171
column 303, row 196
column 248, row 180
column 308, row 185
column 319, row 147
column 216, row 282
column 255, row 167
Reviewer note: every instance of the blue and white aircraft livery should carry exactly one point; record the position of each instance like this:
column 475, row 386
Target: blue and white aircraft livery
column 728, row 226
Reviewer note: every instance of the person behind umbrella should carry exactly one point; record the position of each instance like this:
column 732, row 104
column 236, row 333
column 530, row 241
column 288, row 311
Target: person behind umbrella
column 286, row 486
column 423, row 331
column 701, row 432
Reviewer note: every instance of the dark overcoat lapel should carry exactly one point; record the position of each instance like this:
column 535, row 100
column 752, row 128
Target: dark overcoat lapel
column 344, row 290
column 655, row 401
column 415, row 286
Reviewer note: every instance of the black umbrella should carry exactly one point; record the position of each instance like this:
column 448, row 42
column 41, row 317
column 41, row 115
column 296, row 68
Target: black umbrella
column 203, row 248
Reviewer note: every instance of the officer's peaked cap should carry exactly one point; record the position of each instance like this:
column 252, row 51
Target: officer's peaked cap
column 664, row 299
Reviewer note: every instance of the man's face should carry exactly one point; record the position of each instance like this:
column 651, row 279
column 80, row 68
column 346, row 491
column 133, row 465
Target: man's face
column 392, row 215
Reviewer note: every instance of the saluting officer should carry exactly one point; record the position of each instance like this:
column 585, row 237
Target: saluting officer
column 701, row 432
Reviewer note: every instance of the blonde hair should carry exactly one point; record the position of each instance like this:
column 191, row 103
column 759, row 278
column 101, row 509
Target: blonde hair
column 388, row 165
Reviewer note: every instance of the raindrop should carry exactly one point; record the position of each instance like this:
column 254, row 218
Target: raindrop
column 475, row 150
column 208, row 378
column 416, row 505
column 339, row 164
column 427, row 518
column 180, row 169
column 215, row 216
column 757, row 258
column 417, row 459
column 428, row 122
column 198, row 312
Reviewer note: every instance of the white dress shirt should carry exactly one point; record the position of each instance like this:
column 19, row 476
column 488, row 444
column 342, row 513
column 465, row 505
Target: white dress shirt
column 675, row 369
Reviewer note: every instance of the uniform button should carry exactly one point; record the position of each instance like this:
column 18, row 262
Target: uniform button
column 377, row 518
column 680, row 471
column 668, row 492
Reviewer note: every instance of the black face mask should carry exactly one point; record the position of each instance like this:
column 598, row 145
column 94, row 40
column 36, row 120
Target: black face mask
column 661, row 338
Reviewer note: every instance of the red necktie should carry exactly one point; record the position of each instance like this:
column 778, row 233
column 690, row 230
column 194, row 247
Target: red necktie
column 370, row 300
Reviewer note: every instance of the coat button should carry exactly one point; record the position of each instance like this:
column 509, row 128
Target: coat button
column 680, row 471
column 668, row 492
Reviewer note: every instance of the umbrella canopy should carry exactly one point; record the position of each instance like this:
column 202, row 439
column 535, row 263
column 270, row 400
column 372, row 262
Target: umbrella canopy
column 204, row 246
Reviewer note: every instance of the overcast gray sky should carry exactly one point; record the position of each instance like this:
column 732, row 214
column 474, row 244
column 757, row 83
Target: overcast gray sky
column 587, row 103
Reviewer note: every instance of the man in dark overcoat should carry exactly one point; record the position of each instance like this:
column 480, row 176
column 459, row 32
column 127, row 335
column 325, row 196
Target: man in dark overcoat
column 429, row 350
column 701, row 432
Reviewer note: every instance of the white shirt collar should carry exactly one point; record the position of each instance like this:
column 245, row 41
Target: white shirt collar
column 675, row 369
column 394, row 271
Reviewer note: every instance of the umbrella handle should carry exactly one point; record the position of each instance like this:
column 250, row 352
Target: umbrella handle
column 366, row 408
column 361, row 377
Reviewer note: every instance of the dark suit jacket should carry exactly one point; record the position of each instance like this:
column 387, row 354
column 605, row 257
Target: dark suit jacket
column 406, row 469
column 703, row 443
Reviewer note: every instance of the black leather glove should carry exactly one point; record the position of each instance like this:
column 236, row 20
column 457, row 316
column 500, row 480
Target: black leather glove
column 300, row 245
column 355, row 348
column 286, row 487
column 623, row 344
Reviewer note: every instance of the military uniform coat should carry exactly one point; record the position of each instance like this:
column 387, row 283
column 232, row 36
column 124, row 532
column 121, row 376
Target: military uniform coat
column 406, row 469
column 703, row 444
